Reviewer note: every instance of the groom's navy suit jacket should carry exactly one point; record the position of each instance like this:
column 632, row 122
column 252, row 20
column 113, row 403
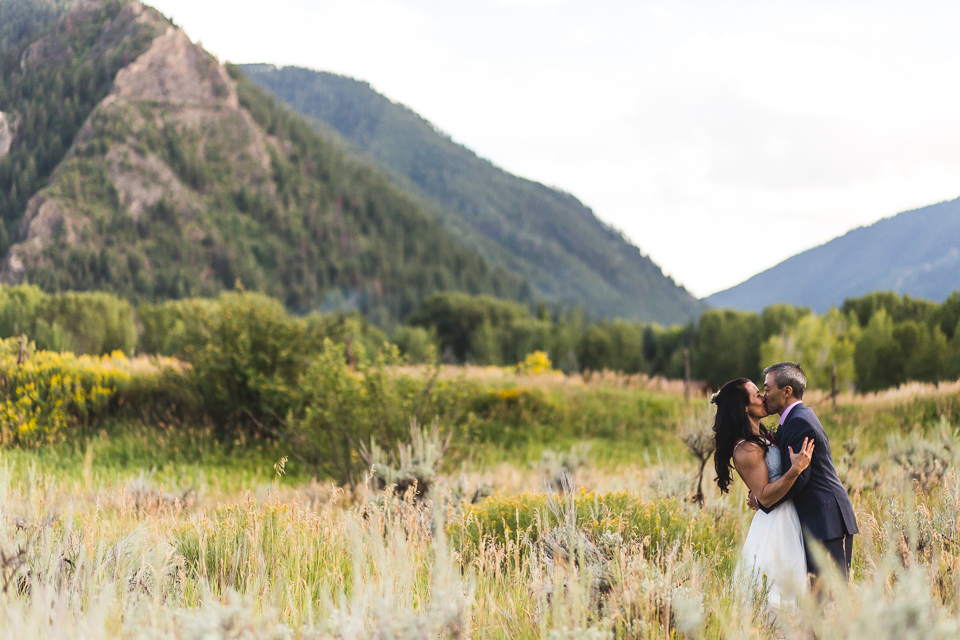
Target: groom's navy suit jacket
column 821, row 500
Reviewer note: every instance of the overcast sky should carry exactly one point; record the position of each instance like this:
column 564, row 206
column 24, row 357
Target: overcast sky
column 720, row 137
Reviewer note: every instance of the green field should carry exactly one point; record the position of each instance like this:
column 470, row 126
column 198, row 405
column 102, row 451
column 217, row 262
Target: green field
column 135, row 527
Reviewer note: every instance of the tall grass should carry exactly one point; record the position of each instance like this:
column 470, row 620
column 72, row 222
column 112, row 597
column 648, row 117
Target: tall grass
column 168, row 533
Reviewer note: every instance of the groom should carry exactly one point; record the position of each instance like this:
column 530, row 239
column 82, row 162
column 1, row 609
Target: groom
column 822, row 503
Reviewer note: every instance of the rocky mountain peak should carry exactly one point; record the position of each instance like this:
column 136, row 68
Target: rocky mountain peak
column 176, row 71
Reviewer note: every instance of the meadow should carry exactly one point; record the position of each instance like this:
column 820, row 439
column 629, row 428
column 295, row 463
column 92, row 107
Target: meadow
column 556, row 507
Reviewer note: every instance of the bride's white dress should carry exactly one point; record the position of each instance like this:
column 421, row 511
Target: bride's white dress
column 773, row 556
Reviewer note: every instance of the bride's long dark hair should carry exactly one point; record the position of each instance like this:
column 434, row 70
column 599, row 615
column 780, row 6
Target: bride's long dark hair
column 730, row 426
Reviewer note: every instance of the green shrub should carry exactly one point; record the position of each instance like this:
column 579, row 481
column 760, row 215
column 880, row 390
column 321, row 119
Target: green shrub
column 19, row 308
column 248, row 353
column 91, row 323
column 247, row 357
column 342, row 408
column 417, row 344
column 510, row 415
column 166, row 328
column 349, row 329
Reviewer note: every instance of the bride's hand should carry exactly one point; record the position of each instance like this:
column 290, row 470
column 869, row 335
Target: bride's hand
column 801, row 459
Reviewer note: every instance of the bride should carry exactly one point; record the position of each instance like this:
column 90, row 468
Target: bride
column 773, row 556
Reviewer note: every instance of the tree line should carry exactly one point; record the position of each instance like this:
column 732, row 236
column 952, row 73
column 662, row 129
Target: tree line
column 869, row 343
column 879, row 340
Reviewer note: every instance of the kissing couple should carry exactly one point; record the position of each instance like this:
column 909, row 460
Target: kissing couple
column 792, row 482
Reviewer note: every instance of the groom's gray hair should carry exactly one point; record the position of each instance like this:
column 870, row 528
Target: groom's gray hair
column 788, row 374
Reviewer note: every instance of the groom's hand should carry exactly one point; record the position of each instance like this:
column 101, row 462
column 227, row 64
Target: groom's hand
column 801, row 459
column 752, row 501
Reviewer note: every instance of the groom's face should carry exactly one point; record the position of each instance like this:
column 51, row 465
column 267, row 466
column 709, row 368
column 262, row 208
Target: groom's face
column 774, row 397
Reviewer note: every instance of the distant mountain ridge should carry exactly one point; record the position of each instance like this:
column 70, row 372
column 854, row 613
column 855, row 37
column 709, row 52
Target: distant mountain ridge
column 915, row 252
column 543, row 235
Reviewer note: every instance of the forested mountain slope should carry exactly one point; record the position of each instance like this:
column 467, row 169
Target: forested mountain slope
column 136, row 163
column 19, row 19
column 916, row 252
column 544, row 235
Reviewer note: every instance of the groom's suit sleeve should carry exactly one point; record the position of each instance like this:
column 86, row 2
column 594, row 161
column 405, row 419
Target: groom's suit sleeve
column 792, row 434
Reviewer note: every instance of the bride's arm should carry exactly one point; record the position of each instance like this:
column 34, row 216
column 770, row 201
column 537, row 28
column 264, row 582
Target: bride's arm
column 749, row 462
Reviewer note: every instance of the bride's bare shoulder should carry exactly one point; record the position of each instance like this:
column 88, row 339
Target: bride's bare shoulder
column 747, row 451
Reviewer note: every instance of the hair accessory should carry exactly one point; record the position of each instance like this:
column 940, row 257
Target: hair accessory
column 713, row 398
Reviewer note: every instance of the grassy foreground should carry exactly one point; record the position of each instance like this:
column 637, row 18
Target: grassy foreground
column 157, row 531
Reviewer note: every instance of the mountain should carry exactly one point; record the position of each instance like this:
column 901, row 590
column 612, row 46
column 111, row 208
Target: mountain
column 915, row 252
column 541, row 234
column 133, row 161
